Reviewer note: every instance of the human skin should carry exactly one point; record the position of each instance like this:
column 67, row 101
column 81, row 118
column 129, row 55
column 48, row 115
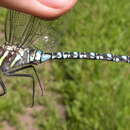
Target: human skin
column 47, row 9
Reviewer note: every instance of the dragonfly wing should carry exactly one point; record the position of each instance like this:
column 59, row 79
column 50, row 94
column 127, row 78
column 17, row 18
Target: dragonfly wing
column 51, row 33
column 18, row 28
column 25, row 30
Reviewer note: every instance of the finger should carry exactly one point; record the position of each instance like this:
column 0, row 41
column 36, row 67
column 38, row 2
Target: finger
column 41, row 8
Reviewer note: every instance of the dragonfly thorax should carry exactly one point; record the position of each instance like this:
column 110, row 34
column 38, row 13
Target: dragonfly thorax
column 11, row 56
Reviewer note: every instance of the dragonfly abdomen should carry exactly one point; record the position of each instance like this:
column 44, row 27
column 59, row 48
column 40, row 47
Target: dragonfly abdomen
column 87, row 55
column 40, row 56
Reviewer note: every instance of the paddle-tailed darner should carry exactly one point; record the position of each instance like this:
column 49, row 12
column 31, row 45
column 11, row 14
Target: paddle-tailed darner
column 18, row 53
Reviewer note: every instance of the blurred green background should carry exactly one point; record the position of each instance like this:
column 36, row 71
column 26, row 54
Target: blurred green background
column 80, row 94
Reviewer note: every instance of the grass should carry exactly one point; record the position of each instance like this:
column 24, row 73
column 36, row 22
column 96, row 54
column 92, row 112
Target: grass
column 81, row 95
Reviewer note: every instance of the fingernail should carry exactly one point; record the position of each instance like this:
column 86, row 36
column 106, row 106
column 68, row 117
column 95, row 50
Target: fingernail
column 54, row 3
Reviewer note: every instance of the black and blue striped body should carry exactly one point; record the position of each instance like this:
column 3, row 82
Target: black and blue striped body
column 90, row 56
column 12, row 56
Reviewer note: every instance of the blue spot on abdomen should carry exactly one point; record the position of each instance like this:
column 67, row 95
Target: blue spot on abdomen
column 45, row 57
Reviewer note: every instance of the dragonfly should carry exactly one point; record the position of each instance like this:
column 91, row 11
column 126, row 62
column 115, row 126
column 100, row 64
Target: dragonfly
column 18, row 52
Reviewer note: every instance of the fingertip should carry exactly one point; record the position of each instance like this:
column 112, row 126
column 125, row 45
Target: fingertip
column 46, row 9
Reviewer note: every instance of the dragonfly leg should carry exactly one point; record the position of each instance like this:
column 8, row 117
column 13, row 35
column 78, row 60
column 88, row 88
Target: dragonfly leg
column 42, row 88
column 34, row 69
column 3, row 87
column 24, row 75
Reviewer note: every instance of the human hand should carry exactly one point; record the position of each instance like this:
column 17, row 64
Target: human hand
column 47, row 9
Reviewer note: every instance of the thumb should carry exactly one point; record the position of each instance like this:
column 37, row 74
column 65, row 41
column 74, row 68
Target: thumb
column 41, row 8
